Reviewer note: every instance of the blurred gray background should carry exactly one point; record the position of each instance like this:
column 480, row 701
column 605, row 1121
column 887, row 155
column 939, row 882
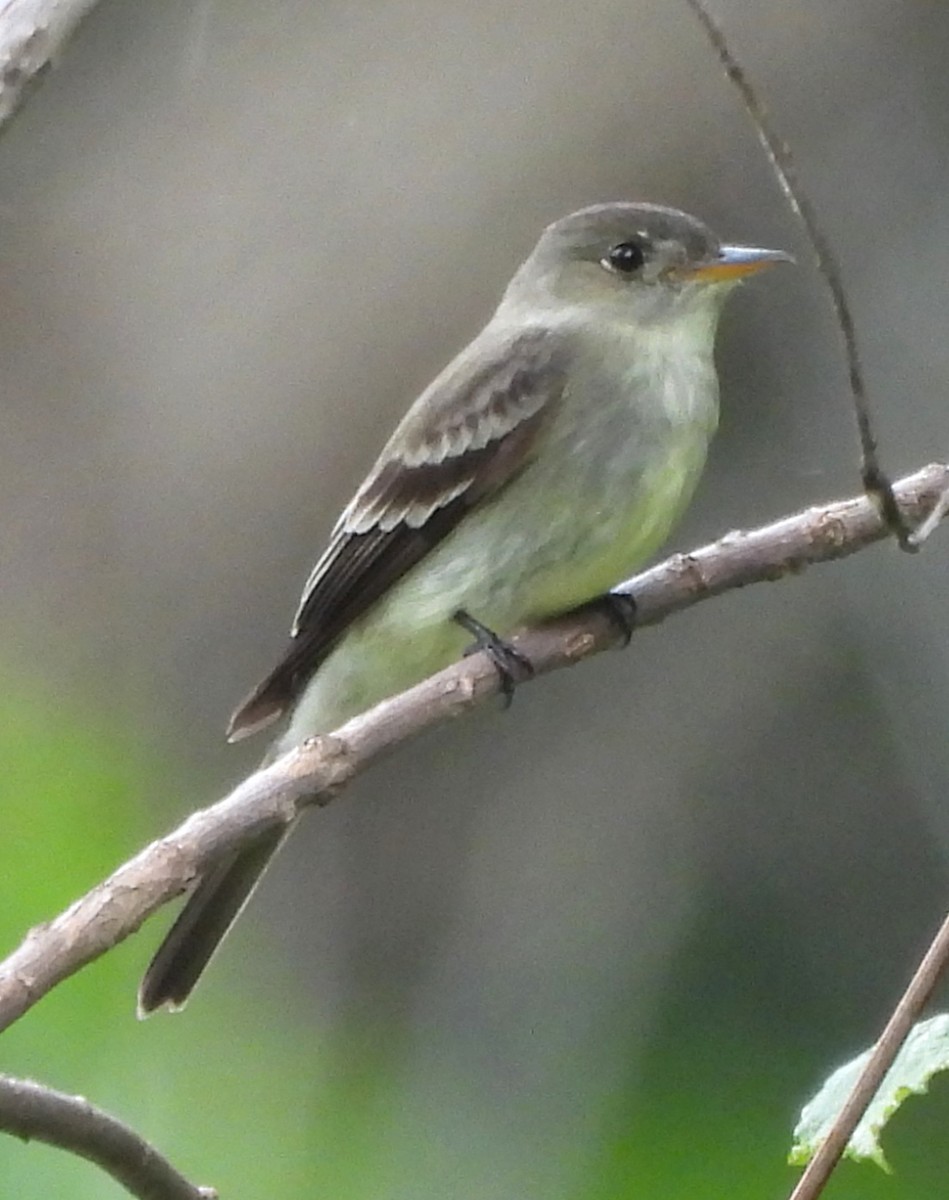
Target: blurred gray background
column 235, row 240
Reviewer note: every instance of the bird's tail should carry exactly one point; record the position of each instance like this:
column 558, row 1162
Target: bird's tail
column 203, row 923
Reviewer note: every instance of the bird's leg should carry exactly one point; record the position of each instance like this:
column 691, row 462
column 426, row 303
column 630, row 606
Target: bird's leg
column 512, row 666
column 620, row 609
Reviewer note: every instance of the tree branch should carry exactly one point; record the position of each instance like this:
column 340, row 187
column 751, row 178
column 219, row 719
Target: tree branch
column 32, row 34
column 31, row 1111
column 318, row 770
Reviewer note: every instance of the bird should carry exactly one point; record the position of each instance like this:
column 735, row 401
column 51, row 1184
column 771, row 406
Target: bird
column 550, row 459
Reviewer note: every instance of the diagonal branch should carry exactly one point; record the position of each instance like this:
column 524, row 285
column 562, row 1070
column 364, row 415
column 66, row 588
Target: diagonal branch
column 319, row 769
column 31, row 1111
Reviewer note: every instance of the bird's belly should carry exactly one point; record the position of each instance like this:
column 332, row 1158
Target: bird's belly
column 585, row 542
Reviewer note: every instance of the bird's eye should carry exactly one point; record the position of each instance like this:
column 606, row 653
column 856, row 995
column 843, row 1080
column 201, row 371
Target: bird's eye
column 626, row 257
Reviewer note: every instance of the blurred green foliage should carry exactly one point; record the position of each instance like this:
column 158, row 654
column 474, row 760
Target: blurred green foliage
column 72, row 794
column 255, row 1102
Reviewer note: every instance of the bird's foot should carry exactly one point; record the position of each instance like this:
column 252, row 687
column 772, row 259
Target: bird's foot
column 512, row 666
column 620, row 608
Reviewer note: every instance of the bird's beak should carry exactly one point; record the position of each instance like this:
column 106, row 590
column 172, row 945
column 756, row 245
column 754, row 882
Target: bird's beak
column 734, row 262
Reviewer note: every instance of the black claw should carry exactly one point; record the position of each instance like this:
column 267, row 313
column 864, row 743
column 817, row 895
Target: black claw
column 620, row 607
column 512, row 666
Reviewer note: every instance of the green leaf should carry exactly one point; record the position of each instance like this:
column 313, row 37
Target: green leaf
column 925, row 1052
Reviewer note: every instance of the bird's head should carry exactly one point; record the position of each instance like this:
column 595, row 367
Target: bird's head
column 637, row 261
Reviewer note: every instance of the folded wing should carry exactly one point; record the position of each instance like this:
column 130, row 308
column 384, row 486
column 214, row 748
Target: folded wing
column 464, row 439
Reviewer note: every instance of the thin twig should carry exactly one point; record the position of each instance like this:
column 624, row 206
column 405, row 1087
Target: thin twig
column 319, row 769
column 30, row 1111
column 875, row 481
column 897, row 1029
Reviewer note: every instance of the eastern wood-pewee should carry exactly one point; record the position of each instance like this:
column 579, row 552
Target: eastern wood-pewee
column 550, row 459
